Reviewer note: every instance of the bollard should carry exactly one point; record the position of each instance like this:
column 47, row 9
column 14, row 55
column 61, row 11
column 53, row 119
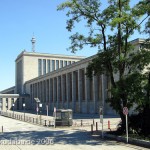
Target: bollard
column 108, row 124
column 96, row 126
column 2, row 129
column 81, row 123
column 45, row 122
column 91, row 128
column 93, row 122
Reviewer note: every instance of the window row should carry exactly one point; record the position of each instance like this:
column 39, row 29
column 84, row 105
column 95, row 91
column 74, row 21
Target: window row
column 46, row 66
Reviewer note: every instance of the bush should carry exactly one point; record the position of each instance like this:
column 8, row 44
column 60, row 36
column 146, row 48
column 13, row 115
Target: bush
column 140, row 123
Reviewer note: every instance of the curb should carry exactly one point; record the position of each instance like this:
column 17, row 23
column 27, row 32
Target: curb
column 133, row 141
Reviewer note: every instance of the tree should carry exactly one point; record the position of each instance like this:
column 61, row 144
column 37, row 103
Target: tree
column 109, row 31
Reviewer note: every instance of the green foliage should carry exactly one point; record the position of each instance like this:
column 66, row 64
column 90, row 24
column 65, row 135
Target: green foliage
column 116, row 55
column 140, row 123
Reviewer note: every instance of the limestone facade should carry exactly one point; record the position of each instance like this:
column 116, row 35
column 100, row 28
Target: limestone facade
column 69, row 87
column 30, row 65
column 58, row 81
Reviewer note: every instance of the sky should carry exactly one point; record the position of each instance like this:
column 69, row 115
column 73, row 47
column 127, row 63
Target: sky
column 19, row 19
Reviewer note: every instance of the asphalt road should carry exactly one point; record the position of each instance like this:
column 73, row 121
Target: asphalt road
column 18, row 135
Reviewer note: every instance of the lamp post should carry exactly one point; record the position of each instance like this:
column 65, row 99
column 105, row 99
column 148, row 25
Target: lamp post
column 13, row 109
column 40, row 105
column 24, row 105
column 37, row 101
column 102, row 105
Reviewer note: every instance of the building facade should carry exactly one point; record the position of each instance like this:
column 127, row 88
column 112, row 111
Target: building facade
column 58, row 81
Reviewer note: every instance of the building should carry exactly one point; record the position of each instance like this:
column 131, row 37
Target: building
column 57, row 81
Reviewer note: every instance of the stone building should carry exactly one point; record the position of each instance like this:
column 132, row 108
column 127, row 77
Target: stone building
column 57, row 81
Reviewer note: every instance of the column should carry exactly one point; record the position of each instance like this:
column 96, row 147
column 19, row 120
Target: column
column 54, row 92
column 70, row 89
column 15, row 102
column 62, row 91
column 3, row 104
column 37, row 89
column 44, row 93
column 40, row 93
column 50, row 65
column 79, row 91
column 31, row 94
column 55, row 65
column 47, row 91
column 41, row 66
column 103, row 91
column 32, row 97
column 49, row 100
column 67, row 89
column 51, row 94
column 73, row 90
column 86, row 91
column 58, row 91
column 94, row 93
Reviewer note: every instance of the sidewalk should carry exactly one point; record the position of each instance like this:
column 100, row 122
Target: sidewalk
column 80, row 121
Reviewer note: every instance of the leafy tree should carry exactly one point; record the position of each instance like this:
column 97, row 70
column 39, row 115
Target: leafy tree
column 109, row 30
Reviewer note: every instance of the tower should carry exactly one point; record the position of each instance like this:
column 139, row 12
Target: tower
column 33, row 40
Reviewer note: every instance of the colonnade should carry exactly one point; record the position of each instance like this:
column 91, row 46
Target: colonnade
column 72, row 90
column 10, row 103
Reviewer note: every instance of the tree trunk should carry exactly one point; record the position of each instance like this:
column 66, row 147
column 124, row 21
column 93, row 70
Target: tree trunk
column 123, row 124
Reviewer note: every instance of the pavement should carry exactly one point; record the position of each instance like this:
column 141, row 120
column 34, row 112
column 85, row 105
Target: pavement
column 85, row 119
column 19, row 135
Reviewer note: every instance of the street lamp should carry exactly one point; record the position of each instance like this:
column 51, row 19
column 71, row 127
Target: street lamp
column 37, row 101
column 13, row 109
column 40, row 105
column 24, row 105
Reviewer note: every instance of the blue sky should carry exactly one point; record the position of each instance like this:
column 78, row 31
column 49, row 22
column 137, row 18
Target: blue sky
column 19, row 19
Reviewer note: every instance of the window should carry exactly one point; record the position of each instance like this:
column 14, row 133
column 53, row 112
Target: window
column 39, row 67
column 53, row 65
column 48, row 66
column 61, row 63
column 44, row 66
column 65, row 63
column 57, row 64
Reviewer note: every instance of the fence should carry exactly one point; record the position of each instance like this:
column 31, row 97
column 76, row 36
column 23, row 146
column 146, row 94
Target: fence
column 40, row 120
column 34, row 120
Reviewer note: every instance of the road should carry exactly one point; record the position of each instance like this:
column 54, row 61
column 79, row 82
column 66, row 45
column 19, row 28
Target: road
column 18, row 135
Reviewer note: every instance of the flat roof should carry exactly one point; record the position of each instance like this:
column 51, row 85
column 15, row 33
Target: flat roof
column 12, row 95
column 37, row 54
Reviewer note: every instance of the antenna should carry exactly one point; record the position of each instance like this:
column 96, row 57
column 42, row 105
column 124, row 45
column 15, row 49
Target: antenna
column 33, row 40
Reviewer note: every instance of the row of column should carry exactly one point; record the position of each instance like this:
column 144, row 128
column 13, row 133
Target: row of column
column 11, row 103
column 71, row 90
column 48, row 65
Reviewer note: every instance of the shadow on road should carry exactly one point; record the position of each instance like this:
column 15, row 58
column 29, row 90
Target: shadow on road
column 58, row 137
